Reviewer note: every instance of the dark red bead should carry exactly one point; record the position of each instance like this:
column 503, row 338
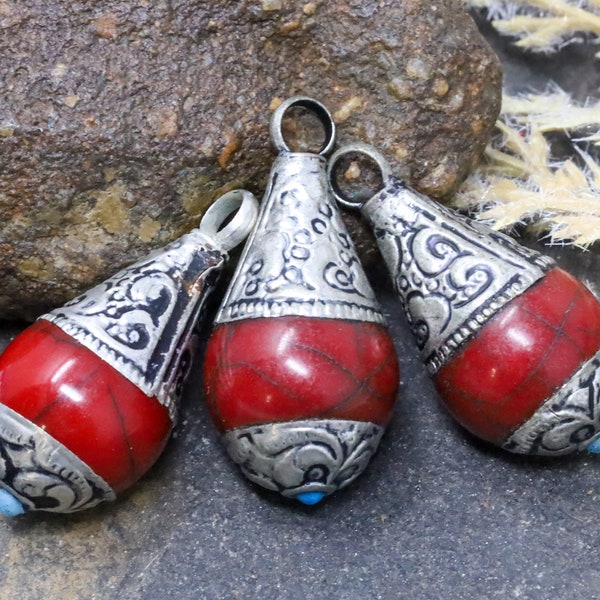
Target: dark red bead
column 287, row 368
column 105, row 420
column 521, row 356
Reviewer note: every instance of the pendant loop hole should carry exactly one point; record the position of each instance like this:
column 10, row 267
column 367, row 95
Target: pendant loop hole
column 302, row 124
column 356, row 173
column 225, row 228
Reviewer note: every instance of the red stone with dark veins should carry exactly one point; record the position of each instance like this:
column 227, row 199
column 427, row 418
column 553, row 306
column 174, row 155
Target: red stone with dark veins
column 521, row 356
column 109, row 423
column 288, row 368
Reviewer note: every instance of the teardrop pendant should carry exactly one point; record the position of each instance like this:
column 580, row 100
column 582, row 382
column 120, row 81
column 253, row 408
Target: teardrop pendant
column 89, row 392
column 511, row 340
column 300, row 373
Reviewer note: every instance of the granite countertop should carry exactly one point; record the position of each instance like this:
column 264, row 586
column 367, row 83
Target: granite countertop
column 437, row 514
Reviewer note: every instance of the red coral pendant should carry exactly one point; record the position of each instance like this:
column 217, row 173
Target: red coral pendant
column 294, row 368
column 512, row 341
column 521, row 357
column 50, row 379
column 300, row 373
column 89, row 392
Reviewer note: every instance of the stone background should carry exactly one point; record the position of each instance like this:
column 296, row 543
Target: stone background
column 121, row 122
column 437, row 515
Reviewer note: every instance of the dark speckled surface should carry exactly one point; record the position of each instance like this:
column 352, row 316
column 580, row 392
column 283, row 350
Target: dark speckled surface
column 437, row 515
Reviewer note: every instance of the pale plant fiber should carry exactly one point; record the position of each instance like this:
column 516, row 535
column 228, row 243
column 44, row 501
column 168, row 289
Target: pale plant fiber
column 555, row 111
column 544, row 25
column 520, row 183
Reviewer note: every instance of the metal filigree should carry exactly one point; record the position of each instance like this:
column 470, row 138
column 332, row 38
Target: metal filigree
column 41, row 473
column 140, row 321
column 304, row 456
column 566, row 422
column 300, row 259
column 452, row 274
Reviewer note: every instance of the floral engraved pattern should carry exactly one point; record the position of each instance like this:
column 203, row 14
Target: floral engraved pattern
column 300, row 259
column 133, row 304
column 451, row 274
column 41, row 472
column 140, row 321
column 568, row 421
column 304, row 456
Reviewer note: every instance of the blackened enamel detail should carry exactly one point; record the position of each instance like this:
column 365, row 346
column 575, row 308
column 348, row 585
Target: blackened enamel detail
column 451, row 274
column 141, row 320
column 297, row 457
column 300, row 259
column 568, row 421
column 42, row 473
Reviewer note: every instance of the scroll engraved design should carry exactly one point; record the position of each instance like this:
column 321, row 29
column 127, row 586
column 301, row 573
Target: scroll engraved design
column 451, row 274
column 41, row 472
column 304, row 456
column 300, row 259
column 140, row 321
column 566, row 422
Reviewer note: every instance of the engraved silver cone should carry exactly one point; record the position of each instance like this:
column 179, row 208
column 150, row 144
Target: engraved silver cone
column 300, row 259
column 452, row 274
column 141, row 320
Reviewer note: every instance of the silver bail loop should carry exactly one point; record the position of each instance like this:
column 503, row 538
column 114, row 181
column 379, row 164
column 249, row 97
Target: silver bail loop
column 240, row 225
column 355, row 149
column 316, row 108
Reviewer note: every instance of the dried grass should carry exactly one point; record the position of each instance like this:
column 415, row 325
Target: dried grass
column 544, row 25
column 555, row 111
column 521, row 183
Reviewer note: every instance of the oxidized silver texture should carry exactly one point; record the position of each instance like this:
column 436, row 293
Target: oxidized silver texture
column 304, row 456
column 300, row 259
column 452, row 274
column 568, row 421
column 41, row 473
column 141, row 320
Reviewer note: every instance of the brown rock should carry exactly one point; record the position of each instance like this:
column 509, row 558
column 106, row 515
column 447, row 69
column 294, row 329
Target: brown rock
column 120, row 122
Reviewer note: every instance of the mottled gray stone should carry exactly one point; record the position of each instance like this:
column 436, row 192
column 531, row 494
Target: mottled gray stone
column 121, row 122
